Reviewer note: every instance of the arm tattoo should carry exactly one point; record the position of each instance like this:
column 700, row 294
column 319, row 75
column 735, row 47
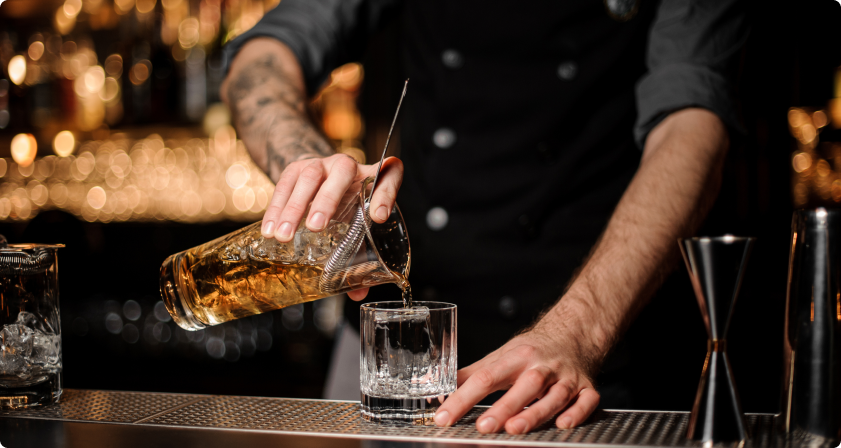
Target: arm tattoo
column 270, row 115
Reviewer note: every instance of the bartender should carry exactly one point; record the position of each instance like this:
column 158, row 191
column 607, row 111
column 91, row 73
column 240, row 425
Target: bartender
column 551, row 155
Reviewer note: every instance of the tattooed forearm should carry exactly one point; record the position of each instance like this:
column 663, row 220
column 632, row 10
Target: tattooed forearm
column 270, row 114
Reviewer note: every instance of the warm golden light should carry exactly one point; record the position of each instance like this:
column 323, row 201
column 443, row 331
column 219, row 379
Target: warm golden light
column 79, row 87
column 58, row 194
column 72, row 8
column 348, row 76
column 808, row 133
column 144, row 6
column 801, row 162
column 191, row 203
column 96, row 197
column 36, row 50
column 342, row 124
column 171, row 4
column 140, row 72
column 94, row 79
column 114, row 65
column 801, row 194
column 123, row 6
column 118, row 179
column 823, row 168
column 38, row 193
column 214, row 201
column 217, row 115
column 836, row 190
column 236, row 176
column 26, row 170
column 820, row 119
column 188, row 32
column 64, row 143
column 110, row 91
column 64, row 23
column 797, row 117
column 17, row 69
column 23, row 148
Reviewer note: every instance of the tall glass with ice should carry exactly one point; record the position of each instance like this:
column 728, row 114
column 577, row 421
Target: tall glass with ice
column 243, row 273
column 30, row 328
column 408, row 360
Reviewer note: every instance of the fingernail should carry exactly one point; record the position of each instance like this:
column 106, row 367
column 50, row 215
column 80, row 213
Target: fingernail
column 382, row 213
column 519, row 426
column 565, row 423
column 317, row 221
column 486, row 425
column 442, row 418
column 285, row 231
column 268, row 229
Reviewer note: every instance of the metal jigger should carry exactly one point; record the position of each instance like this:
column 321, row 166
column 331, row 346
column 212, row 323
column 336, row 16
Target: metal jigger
column 716, row 265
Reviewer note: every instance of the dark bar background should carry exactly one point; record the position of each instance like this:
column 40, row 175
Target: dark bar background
column 790, row 60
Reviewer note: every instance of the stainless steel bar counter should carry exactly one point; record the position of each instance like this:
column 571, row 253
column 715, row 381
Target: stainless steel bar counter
column 94, row 418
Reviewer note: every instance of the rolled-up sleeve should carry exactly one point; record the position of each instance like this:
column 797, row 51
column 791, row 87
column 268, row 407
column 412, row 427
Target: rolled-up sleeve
column 693, row 54
column 322, row 34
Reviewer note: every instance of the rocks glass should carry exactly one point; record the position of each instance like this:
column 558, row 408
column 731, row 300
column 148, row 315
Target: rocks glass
column 408, row 360
column 30, row 329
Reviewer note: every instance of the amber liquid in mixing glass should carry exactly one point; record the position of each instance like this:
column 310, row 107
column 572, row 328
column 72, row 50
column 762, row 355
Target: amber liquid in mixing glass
column 222, row 289
column 228, row 290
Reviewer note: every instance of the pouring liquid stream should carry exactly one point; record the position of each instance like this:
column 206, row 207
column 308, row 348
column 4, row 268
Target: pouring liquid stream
column 405, row 289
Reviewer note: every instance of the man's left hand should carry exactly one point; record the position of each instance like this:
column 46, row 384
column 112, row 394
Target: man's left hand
column 532, row 366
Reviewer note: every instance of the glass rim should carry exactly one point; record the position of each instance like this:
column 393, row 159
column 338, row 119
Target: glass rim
column 376, row 306
column 364, row 198
column 27, row 246
column 719, row 239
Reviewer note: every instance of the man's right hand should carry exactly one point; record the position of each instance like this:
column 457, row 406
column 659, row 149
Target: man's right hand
column 323, row 181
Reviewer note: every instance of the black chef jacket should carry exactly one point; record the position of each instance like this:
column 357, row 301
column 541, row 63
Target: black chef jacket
column 521, row 130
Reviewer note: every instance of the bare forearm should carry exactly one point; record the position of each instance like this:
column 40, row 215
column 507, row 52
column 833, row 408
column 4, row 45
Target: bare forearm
column 266, row 94
column 669, row 196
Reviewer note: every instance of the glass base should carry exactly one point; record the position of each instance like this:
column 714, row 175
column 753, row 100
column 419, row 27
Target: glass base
column 175, row 303
column 401, row 411
column 41, row 394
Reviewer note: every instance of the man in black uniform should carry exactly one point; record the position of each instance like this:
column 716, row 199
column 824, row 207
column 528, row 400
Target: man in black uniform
column 521, row 141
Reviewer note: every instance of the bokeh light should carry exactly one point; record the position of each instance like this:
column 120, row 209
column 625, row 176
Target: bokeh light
column 145, row 6
column 801, row 162
column 123, row 6
column 36, row 50
column 72, row 8
column 64, row 23
column 819, row 119
column 119, row 179
column 114, row 65
column 64, row 143
column 140, row 72
column 110, row 91
column 236, row 176
column 17, row 69
column 94, row 79
column 24, row 148
column 188, row 32
column 97, row 197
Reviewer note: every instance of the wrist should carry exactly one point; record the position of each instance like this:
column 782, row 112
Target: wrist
column 578, row 323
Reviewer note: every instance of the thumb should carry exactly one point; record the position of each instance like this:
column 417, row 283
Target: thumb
column 391, row 177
